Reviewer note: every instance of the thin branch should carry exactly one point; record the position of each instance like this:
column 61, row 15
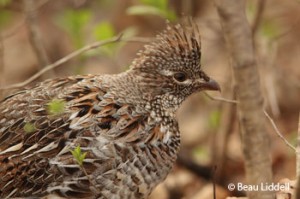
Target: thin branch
column 267, row 115
column 35, row 35
column 89, row 178
column 258, row 16
column 221, row 99
column 278, row 132
column 63, row 60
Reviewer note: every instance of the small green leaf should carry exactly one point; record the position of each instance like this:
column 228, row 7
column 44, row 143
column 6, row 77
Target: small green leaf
column 78, row 155
column 75, row 22
column 161, row 4
column 56, row 106
column 29, row 127
column 5, row 17
column 170, row 15
column 151, row 10
column 143, row 10
column 214, row 119
column 251, row 9
column 269, row 29
column 201, row 153
column 104, row 31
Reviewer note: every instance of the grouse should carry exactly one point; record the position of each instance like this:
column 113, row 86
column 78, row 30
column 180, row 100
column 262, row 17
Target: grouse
column 102, row 136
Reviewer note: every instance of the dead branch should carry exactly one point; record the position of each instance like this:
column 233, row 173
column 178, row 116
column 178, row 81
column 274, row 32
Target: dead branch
column 63, row 60
column 221, row 99
column 267, row 115
column 278, row 132
column 254, row 136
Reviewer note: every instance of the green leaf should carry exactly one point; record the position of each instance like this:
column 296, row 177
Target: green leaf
column 29, row 127
column 161, row 4
column 143, row 10
column 151, row 10
column 74, row 22
column 214, row 119
column 269, row 29
column 170, row 15
column 251, row 9
column 4, row 2
column 56, row 106
column 104, row 31
column 78, row 155
column 201, row 153
column 5, row 17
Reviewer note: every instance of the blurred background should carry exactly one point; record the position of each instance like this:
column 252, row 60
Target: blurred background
column 211, row 151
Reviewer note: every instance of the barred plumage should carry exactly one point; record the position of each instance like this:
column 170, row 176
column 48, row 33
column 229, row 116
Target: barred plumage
column 125, row 124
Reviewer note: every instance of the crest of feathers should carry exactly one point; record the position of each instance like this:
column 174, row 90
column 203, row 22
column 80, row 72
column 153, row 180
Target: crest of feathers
column 176, row 41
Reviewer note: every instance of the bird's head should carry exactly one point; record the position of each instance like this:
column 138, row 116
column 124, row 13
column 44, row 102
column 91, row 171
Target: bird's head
column 170, row 68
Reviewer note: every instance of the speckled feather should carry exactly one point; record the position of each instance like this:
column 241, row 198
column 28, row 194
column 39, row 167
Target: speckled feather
column 125, row 124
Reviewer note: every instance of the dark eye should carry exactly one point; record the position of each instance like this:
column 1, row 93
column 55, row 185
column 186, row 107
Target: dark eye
column 181, row 77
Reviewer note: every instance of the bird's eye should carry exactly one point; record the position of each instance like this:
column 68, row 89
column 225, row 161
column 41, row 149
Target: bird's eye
column 180, row 77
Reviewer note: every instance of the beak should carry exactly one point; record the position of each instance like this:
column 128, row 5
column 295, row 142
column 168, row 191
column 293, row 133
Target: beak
column 211, row 85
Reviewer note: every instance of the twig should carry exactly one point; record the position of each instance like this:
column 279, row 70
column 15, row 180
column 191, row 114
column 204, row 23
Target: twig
column 278, row 132
column 35, row 35
column 258, row 16
column 221, row 99
column 89, row 178
column 214, row 170
column 64, row 60
column 267, row 115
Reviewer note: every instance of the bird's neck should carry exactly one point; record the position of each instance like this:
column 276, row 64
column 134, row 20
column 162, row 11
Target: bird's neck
column 145, row 90
column 128, row 87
